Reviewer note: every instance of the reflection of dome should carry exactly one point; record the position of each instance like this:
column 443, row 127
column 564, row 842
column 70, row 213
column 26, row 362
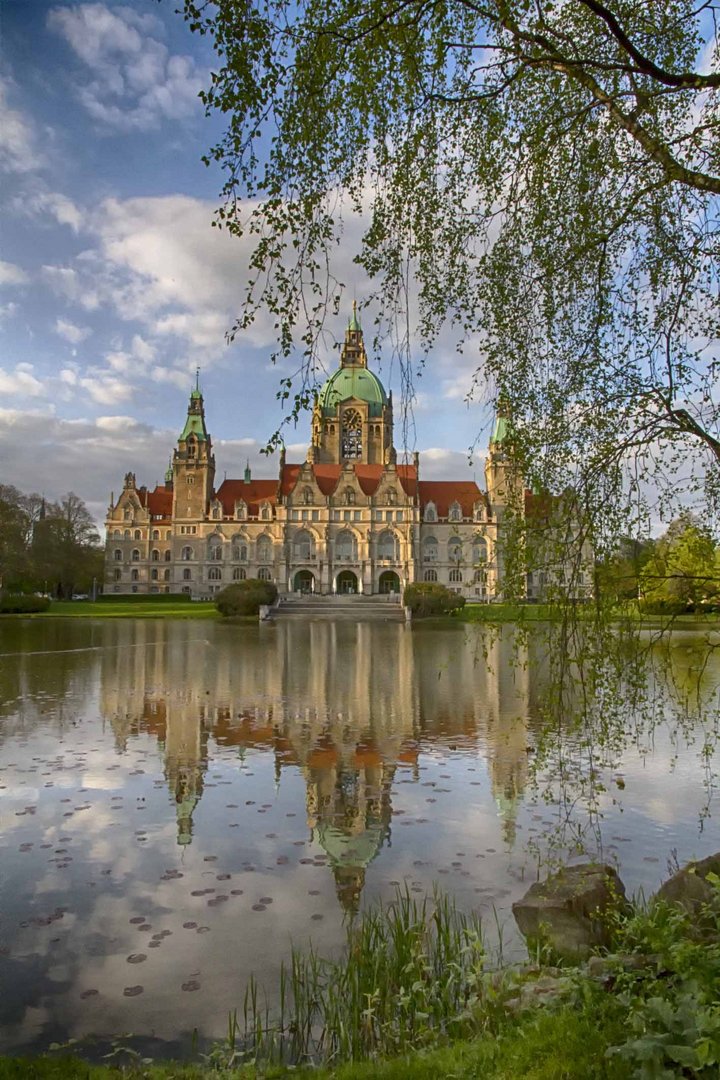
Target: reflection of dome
column 353, row 382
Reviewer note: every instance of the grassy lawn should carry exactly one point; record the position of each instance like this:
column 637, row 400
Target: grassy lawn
column 564, row 1045
column 117, row 609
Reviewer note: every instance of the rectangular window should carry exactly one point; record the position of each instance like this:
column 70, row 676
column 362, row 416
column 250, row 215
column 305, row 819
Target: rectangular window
column 346, row 515
column 336, row 515
column 295, row 515
column 399, row 515
column 316, row 515
column 388, row 515
column 306, row 515
column 356, row 515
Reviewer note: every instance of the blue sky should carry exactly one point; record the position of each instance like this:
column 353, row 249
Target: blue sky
column 113, row 284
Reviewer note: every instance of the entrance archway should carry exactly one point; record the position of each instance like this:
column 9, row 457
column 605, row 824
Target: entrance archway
column 347, row 582
column 389, row 582
column 304, row 581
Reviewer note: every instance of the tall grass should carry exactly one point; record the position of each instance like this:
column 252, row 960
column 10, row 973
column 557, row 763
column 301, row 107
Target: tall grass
column 410, row 976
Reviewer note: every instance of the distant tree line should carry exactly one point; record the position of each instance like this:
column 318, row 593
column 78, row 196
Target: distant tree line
column 47, row 547
column 678, row 572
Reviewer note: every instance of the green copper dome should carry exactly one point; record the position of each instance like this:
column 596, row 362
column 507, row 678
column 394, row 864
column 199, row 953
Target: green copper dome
column 353, row 382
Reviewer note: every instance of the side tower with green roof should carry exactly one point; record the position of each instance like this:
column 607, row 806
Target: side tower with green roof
column 352, row 419
column 193, row 464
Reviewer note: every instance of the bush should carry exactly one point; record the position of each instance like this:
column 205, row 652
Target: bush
column 145, row 598
column 245, row 597
column 17, row 604
column 430, row 598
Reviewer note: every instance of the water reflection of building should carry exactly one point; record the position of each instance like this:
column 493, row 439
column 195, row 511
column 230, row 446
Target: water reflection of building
column 344, row 703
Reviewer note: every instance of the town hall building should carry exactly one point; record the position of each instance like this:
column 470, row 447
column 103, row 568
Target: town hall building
column 349, row 519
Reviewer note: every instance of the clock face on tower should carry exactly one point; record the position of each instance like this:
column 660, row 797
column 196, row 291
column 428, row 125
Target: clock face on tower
column 351, row 446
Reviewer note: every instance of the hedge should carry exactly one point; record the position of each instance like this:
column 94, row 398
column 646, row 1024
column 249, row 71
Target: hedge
column 19, row 604
column 430, row 598
column 245, row 597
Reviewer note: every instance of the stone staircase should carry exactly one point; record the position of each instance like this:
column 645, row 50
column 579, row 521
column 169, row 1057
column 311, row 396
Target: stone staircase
column 382, row 608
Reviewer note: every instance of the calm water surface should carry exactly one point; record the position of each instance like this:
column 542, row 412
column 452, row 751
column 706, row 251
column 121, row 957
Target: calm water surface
column 181, row 801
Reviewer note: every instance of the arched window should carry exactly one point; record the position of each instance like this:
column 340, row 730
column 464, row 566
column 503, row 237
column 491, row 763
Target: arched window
column 455, row 575
column 454, row 549
column 216, row 512
column 153, row 574
column 135, row 555
column 191, row 447
column 264, row 574
column 265, row 512
column 156, row 534
column 430, row 512
column 239, row 551
column 239, row 574
column 168, row 555
column 118, row 575
column 168, row 535
column 430, row 575
column 430, row 549
column 391, row 498
column 187, row 554
column 134, row 576
column 117, row 555
column 387, row 546
column 346, row 546
column 479, row 513
column 155, row 555
column 303, row 545
column 186, row 589
column 349, row 497
column 307, row 496
column 138, row 534
column 117, row 534
column 215, row 551
column 126, row 534
column 479, row 577
column 351, row 446
column 240, row 511
column 455, row 512
column 264, row 550
column 480, row 550
column 166, row 575
column 214, row 573
column 187, row 575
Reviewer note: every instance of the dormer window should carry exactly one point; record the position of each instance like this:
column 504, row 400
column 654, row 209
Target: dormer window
column 191, row 448
column 265, row 512
column 430, row 512
column 240, row 511
column 455, row 512
column 216, row 511
column 349, row 497
column 479, row 515
column 307, row 496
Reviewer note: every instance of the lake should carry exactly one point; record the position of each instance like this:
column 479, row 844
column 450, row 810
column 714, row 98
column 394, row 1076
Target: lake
column 182, row 801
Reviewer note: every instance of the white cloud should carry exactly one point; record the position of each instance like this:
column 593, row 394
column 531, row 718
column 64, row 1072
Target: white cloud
column 11, row 274
column 142, row 349
column 21, row 382
column 71, row 285
column 116, row 423
column 160, row 374
column 69, row 377
column 104, row 389
column 135, row 82
column 72, row 333
column 59, row 207
column 18, row 142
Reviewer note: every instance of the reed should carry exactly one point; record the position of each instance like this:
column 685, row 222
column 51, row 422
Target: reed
column 411, row 976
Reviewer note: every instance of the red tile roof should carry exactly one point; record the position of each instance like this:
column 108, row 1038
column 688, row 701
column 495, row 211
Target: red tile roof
column 369, row 476
column 157, row 502
column 252, row 493
column 445, row 492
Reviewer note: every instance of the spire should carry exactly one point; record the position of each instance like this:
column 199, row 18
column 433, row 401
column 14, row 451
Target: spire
column 247, row 471
column 354, row 320
column 197, row 393
column 195, row 422
column 169, row 473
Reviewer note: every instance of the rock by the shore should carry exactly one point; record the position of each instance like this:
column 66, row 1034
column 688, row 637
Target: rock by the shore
column 568, row 912
column 689, row 887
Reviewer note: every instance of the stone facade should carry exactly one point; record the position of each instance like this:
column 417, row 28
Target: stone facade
column 350, row 519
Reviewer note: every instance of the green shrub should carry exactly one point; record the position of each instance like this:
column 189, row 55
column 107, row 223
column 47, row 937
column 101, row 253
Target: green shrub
column 430, row 598
column 245, row 597
column 146, row 598
column 18, row 604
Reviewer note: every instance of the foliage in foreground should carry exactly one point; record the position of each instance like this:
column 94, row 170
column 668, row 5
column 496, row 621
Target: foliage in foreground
column 414, row 995
column 430, row 598
column 245, row 597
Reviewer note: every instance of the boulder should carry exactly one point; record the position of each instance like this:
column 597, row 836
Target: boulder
column 689, row 887
column 568, row 912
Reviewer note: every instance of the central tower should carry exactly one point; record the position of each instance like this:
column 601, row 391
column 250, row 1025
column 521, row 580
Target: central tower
column 352, row 418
